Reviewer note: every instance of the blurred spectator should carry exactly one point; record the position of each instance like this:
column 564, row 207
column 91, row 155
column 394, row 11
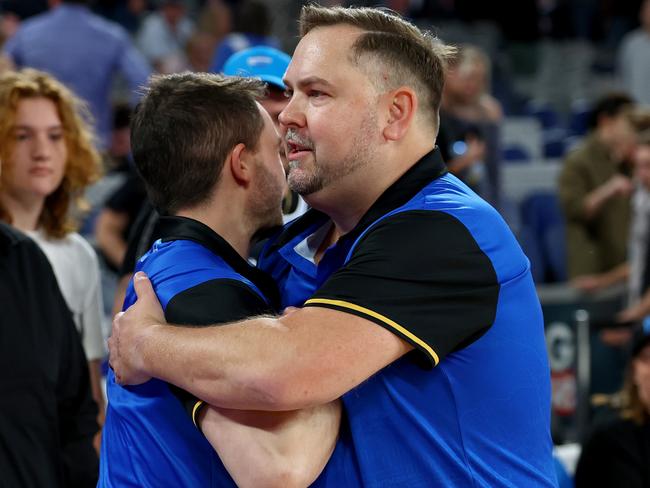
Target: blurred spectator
column 47, row 415
column 48, row 161
column 618, row 454
column 83, row 51
column 119, row 150
column 594, row 189
column 634, row 270
column 470, row 121
column 634, row 58
column 215, row 19
column 120, row 211
column 252, row 26
column 638, row 301
column 163, row 35
column 9, row 25
column 199, row 50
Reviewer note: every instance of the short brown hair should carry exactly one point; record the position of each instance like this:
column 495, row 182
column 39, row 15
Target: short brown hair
column 409, row 56
column 84, row 163
column 184, row 128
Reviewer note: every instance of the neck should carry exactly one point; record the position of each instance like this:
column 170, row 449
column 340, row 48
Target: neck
column 231, row 226
column 24, row 212
column 346, row 205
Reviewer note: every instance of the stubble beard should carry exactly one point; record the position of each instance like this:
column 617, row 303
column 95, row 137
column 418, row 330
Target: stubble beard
column 308, row 181
column 265, row 208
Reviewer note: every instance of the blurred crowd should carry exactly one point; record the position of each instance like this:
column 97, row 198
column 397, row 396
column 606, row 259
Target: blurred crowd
column 576, row 73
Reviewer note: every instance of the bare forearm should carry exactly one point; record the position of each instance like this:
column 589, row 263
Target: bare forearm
column 596, row 199
column 233, row 366
column 268, row 449
column 617, row 275
column 593, row 202
column 292, row 362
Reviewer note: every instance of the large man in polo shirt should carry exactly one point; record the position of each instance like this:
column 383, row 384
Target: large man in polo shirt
column 422, row 315
column 220, row 181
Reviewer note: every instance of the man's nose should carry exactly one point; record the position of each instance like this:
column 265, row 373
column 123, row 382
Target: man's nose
column 292, row 115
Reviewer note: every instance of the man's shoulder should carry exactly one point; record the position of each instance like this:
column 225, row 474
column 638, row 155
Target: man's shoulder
column 583, row 154
column 182, row 259
column 183, row 267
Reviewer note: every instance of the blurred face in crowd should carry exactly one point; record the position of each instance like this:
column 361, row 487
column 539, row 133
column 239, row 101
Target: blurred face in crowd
column 173, row 12
column 642, row 165
column 620, row 135
column 330, row 124
column 37, row 163
column 466, row 81
column 641, row 373
column 270, row 182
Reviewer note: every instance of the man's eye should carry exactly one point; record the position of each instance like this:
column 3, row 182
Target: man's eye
column 288, row 93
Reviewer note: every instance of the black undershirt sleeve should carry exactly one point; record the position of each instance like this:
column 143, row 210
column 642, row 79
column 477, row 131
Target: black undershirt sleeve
column 213, row 302
column 421, row 275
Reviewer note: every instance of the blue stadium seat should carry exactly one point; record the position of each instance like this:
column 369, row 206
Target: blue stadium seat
column 545, row 113
column 515, row 153
column 578, row 119
column 554, row 143
column 542, row 237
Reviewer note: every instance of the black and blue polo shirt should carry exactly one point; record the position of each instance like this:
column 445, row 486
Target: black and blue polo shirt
column 436, row 265
column 148, row 439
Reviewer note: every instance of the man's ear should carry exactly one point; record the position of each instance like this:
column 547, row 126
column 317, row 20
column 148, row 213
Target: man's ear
column 402, row 105
column 239, row 162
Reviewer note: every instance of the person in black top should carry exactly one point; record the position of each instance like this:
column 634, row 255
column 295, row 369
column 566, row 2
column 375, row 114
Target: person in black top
column 618, row 454
column 47, row 414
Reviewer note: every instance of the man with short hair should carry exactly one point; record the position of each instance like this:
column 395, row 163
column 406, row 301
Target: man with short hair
column 418, row 304
column 82, row 50
column 594, row 190
column 209, row 156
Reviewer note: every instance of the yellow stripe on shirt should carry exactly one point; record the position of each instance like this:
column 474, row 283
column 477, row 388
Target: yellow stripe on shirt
column 386, row 320
column 196, row 407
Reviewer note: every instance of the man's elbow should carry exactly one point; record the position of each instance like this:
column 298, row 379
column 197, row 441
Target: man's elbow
column 283, row 392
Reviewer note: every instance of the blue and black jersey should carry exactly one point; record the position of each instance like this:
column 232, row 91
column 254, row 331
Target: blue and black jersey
column 436, row 265
column 148, row 439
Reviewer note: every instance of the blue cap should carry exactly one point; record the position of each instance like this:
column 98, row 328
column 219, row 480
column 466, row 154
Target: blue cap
column 263, row 62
